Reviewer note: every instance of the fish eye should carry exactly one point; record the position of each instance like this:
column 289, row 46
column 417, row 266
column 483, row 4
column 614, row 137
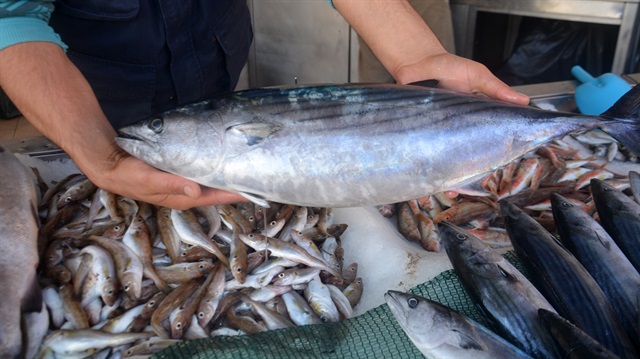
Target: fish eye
column 239, row 270
column 273, row 223
column 324, row 319
column 126, row 288
column 201, row 315
column 566, row 204
column 281, row 275
column 156, row 125
column 250, row 236
column 412, row 302
column 178, row 325
column 461, row 236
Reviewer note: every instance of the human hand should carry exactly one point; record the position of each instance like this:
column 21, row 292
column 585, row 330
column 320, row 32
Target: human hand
column 460, row 74
column 133, row 178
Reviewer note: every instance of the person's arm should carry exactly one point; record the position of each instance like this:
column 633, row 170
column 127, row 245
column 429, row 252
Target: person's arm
column 408, row 49
column 55, row 98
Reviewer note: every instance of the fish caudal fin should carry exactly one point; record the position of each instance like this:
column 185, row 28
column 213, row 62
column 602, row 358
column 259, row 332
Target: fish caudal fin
column 626, row 127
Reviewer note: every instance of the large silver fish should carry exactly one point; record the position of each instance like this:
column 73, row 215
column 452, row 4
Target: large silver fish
column 439, row 332
column 355, row 145
column 21, row 294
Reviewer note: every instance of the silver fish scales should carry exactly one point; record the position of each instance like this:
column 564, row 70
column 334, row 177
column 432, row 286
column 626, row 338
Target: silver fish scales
column 353, row 145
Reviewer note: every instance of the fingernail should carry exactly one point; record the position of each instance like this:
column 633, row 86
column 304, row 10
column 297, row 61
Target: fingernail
column 189, row 192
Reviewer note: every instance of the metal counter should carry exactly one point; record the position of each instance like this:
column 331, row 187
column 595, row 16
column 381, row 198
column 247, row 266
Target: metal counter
column 615, row 12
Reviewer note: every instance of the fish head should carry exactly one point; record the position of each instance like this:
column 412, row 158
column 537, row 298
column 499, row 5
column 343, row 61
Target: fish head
column 254, row 240
column 608, row 197
column 415, row 315
column 464, row 248
column 561, row 207
column 179, row 141
column 109, row 291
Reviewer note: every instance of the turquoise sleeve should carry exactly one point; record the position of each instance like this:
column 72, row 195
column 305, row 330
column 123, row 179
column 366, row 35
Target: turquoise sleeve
column 331, row 3
column 25, row 21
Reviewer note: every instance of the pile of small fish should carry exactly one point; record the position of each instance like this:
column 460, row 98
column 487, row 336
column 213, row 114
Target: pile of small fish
column 122, row 277
column 558, row 167
column 583, row 302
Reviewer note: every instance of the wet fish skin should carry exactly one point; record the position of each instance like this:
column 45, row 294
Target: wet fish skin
column 169, row 303
column 634, row 180
column 128, row 266
column 505, row 294
column 189, row 230
column 137, row 238
column 69, row 342
column 250, row 141
column 353, row 292
column 19, row 256
column 286, row 250
column 319, row 298
column 564, row 281
column 439, row 332
column 211, row 296
column 598, row 253
column 299, row 310
column 620, row 217
column 575, row 343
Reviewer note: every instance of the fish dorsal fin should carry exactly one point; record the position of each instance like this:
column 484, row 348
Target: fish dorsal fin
column 252, row 133
column 432, row 83
column 259, row 200
column 467, row 342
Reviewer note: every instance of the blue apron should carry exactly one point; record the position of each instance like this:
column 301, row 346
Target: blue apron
column 143, row 57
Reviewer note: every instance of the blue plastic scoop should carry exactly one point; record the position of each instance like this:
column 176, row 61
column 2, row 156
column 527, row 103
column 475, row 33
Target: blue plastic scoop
column 596, row 95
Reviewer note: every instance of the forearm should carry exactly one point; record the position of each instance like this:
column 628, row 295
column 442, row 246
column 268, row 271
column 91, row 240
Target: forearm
column 55, row 98
column 396, row 34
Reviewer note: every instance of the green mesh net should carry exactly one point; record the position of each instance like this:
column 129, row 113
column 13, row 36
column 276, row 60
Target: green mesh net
column 374, row 334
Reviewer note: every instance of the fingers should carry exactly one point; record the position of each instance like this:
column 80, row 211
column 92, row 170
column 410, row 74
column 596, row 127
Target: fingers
column 483, row 81
column 461, row 74
column 135, row 179
column 179, row 193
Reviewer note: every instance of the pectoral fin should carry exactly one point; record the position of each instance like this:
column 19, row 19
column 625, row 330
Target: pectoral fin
column 251, row 133
column 259, row 200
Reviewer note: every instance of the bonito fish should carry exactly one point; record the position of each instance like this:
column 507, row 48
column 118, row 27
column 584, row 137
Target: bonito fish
column 21, row 294
column 355, row 145
column 440, row 332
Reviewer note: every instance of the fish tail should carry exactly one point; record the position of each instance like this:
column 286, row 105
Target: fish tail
column 626, row 127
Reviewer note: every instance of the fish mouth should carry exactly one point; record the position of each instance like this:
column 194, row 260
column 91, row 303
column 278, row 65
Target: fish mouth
column 391, row 297
column 131, row 142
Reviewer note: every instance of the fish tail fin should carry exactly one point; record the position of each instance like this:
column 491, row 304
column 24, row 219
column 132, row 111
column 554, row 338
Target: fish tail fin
column 626, row 127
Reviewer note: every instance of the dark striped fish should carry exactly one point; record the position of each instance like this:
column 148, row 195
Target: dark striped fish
column 504, row 294
column 620, row 217
column 575, row 343
column 355, row 145
column 565, row 282
column 602, row 258
column 634, row 180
